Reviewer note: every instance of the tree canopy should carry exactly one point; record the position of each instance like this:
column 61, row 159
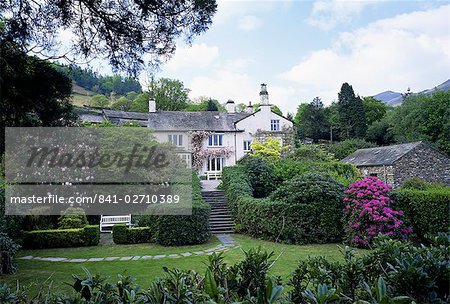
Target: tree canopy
column 352, row 119
column 32, row 92
column 120, row 30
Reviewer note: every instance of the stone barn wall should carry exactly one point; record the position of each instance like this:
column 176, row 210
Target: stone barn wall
column 425, row 163
column 385, row 173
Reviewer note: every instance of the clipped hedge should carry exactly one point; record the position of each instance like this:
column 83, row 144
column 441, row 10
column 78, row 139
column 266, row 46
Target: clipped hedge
column 277, row 220
column 427, row 211
column 124, row 235
column 176, row 230
column 37, row 239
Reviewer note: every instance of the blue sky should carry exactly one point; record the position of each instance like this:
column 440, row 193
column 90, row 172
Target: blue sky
column 303, row 49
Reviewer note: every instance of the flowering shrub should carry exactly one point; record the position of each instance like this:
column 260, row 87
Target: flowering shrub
column 199, row 154
column 368, row 213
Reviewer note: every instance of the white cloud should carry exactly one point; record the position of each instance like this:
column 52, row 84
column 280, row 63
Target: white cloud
column 195, row 56
column 409, row 50
column 249, row 23
column 326, row 14
column 230, row 81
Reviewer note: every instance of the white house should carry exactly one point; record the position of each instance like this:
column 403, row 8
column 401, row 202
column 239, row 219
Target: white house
column 211, row 140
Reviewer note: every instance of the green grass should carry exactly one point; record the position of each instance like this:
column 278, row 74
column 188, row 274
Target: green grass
column 146, row 270
column 115, row 250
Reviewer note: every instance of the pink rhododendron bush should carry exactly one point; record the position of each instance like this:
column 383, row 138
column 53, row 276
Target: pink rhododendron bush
column 368, row 213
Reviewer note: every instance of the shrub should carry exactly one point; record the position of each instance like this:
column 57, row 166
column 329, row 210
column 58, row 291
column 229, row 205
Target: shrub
column 419, row 184
column 277, row 220
column 72, row 218
column 368, row 213
column 312, row 153
column 124, row 235
column 87, row 236
column 287, row 169
column 344, row 148
column 393, row 272
column 260, row 175
column 8, row 249
column 176, row 230
column 427, row 211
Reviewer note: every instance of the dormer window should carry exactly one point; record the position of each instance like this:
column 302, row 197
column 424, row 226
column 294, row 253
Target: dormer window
column 215, row 140
column 275, row 125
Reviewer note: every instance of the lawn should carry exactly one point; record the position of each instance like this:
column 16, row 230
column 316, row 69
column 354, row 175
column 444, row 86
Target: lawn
column 33, row 271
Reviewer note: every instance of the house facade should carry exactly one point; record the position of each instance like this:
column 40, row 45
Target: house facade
column 209, row 141
column 398, row 163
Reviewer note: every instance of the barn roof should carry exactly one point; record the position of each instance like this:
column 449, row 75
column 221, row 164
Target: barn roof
column 380, row 156
column 179, row 121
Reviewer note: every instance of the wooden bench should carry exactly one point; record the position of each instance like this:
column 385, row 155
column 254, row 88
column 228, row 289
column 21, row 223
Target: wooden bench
column 107, row 221
column 213, row 175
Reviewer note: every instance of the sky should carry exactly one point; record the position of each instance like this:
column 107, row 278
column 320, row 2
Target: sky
column 304, row 49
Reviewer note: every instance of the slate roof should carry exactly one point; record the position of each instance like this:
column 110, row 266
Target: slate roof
column 179, row 121
column 94, row 118
column 380, row 156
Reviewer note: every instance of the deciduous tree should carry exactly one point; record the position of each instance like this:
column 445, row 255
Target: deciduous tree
column 120, row 30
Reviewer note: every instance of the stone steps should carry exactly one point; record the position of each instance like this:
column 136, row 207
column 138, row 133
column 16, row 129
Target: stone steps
column 220, row 221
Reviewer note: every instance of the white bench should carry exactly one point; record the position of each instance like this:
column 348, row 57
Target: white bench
column 111, row 220
column 213, row 175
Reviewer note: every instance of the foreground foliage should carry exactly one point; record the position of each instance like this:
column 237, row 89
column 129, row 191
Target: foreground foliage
column 394, row 272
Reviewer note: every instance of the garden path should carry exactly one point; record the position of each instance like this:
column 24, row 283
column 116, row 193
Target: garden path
column 226, row 242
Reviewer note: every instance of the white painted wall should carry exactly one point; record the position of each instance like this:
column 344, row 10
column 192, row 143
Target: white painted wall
column 258, row 121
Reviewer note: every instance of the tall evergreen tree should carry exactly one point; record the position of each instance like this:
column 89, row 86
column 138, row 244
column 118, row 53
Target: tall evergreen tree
column 352, row 118
column 312, row 120
column 212, row 106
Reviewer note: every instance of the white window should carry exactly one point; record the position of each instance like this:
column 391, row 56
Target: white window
column 176, row 139
column 275, row 125
column 215, row 140
column 247, row 144
column 215, row 164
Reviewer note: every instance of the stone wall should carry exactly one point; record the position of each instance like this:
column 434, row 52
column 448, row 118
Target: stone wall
column 425, row 163
column 385, row 173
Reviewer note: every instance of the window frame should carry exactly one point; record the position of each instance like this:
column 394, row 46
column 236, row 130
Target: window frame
column 275, row 125
column 215, row 140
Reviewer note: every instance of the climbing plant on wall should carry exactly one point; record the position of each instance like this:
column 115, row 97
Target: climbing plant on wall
column 199, row 154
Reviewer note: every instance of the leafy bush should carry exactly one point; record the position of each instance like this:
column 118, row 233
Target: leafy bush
column 368, row 213
column 344, row 148
column 124, row 235
column 427, row 211
column 260, row 175
column 419, row 184
column 287, row 169
column 176, row 230
column 87, row 236
column 8, row 249
column 312, row 153
column 270, row 149
column 393, row 272
column 72, row 218
column 278, row 220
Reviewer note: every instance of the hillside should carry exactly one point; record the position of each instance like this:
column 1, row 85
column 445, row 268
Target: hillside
column 81, row 96
column 394, row 98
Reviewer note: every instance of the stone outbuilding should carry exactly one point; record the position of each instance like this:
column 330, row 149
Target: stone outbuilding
column 398, row 163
